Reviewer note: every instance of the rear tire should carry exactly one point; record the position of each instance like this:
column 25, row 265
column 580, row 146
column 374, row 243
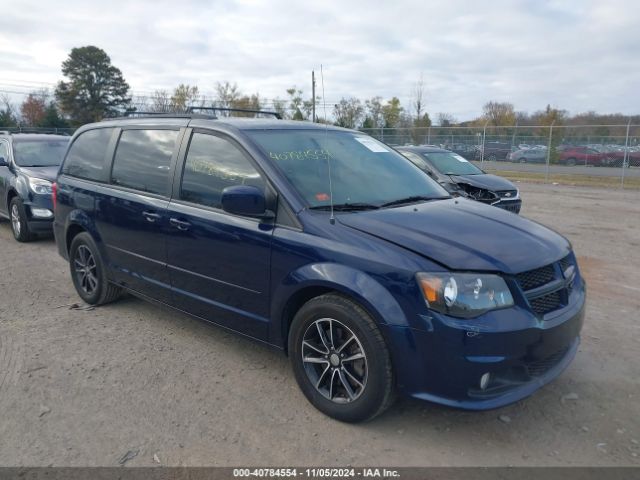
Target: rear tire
column 340, row 359
column 571, row 162
column 522, row 160
column 88, row 272
column 19, row 221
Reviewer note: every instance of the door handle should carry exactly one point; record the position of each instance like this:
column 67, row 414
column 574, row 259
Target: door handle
column 179, row 224
column 151, row 216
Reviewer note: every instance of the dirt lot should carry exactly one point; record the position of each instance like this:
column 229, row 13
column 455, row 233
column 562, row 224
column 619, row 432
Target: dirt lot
column 84, row 387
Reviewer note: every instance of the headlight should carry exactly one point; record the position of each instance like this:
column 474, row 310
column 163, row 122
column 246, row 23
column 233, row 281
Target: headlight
column 464, row 295
column 39, row 185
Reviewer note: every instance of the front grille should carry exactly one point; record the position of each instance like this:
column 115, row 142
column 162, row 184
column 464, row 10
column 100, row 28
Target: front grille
column 546, row 303
column 536, row 278
column 513, row 207
column 548, row 288
column 540, row 367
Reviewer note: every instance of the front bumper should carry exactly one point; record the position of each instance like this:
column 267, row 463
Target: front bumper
column 444, row 362
column 37, row 205
column 509, row 205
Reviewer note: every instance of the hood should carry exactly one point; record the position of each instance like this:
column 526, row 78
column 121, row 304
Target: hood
column 464, row 235
column 46, row 173
column 486, row 181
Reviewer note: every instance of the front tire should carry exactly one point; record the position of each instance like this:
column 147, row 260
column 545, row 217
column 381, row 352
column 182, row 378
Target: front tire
column 340, row 359
column 88, row 272
column 19, row 221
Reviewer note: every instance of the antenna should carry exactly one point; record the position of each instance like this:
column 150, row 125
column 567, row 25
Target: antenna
column 332, row 219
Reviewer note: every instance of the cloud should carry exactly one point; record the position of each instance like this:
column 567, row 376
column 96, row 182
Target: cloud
column 577, row 55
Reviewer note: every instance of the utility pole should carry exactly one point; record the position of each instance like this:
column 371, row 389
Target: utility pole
column 313, row 96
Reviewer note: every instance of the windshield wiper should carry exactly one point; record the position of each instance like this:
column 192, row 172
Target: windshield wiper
column 407, row 200
column 347, row 207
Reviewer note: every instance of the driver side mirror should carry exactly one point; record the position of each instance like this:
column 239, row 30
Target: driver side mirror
column 3, row 162
column 245, row 200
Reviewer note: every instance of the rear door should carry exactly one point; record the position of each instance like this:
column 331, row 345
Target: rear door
column 132, row 218
column 219, row 263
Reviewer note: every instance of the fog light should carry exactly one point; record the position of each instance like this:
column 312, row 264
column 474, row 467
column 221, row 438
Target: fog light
column 41, row 213
column 484, row 381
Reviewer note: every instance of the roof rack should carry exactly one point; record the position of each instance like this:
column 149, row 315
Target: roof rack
column 136, row 114
column 239, row 110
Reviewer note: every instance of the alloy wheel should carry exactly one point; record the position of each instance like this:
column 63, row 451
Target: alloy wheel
column 334, row 360
column 85, row 268
column 15, row 220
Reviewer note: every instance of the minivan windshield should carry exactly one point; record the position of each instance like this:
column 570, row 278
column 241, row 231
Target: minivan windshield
column 39, row 153
column 450, row 163
column 365, row 173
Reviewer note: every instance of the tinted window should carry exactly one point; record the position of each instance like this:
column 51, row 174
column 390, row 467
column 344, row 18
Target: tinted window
column 143, row 160
column 40, row 152
column 213, row 164
column 86, row 155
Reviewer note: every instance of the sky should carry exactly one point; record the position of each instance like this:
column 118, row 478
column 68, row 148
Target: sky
column 578, row 55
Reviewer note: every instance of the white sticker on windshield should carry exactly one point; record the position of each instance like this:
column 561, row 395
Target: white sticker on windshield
column 460, row 159
column 372, row 145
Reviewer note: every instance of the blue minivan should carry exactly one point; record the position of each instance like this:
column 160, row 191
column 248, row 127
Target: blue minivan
column 328, row 245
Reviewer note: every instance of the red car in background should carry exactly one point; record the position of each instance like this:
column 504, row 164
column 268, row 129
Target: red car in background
column 583, row 156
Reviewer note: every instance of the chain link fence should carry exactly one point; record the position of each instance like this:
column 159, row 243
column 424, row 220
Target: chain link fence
column 49, row 130
column 607, row 155
column 604, row 155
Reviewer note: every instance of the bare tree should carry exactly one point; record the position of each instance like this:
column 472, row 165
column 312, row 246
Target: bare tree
column 499, row 113
column 184, row 96
column 348, row 112
column 445, row 119
column 417, row 97
column 160, row 101
column 227, row 95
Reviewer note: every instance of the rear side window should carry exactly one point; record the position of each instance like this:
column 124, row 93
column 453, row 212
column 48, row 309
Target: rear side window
column 86, row 155
column 143, row 160
column 212, row 164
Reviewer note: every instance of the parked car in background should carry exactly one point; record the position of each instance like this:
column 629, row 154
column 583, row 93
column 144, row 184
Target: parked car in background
column 28, row 165
column 495, row 151
column 470, row 152
column 461, row 177
column 580, row 155
column 328, row 245
column 529, row 155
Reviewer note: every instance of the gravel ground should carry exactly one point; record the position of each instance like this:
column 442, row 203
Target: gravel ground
column 135, row 382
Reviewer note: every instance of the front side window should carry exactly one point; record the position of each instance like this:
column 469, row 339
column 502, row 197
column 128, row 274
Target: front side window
column 143, row 160
column 86, row 155
column 363, row 171
column 40, row 152
column 212, row 164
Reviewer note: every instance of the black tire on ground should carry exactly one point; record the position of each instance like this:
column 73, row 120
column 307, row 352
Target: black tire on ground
column 18, row 217
column 492, row 157
column 522, row 160
column 88, row 272
column 571, row 162
column 369, row 388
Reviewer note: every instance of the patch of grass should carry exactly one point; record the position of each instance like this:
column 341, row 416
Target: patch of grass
column 570, row 179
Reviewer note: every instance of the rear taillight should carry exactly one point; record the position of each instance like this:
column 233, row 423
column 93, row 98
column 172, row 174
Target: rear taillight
column 54, row 194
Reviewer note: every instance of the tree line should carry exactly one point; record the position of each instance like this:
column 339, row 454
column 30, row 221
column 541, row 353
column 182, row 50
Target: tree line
column 94, row 89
